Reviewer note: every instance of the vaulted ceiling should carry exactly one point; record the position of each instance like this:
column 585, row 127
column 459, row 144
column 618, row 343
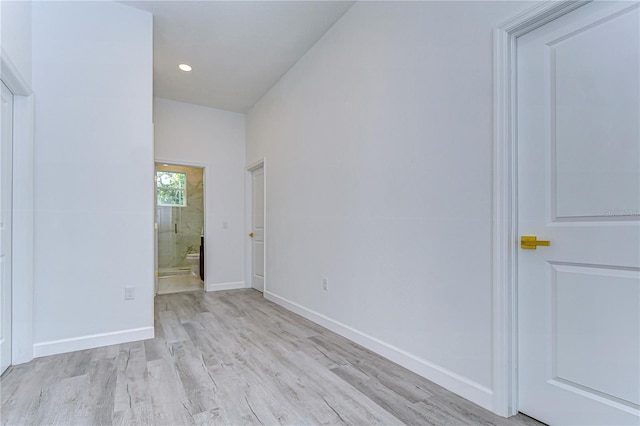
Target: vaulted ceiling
column 238, row 49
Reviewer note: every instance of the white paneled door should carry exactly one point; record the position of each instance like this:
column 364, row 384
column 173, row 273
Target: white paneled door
column 6, row 182
column 257, row 229
column 579, row 188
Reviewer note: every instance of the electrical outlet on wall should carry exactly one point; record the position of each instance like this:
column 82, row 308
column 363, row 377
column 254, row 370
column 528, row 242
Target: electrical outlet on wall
column 129, row 293
column 325, row 284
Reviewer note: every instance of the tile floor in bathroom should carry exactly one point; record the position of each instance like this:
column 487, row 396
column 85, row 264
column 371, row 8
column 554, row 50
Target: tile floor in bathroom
column 179, row 283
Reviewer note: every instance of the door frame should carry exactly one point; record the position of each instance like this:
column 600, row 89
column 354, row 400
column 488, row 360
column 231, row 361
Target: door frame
column 505, row 197
column 205, row 179
column 23, row 211
column 248, row 221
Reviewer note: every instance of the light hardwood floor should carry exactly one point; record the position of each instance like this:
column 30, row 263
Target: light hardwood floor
column 230, row 358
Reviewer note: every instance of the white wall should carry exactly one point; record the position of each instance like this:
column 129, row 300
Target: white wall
column 379, row 150
column 196, row 135
column 92, row 78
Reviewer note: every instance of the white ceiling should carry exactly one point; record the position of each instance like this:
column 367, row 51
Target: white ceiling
column 238, row 49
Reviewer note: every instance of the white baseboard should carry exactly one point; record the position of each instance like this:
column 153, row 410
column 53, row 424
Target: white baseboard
column 92, row 341
column 224, row 286
column 456, row 383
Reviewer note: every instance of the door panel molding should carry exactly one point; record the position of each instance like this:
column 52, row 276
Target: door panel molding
column 578, row 157
column 505, row 226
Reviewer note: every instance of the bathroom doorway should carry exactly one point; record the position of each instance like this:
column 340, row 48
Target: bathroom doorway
column 180, row 228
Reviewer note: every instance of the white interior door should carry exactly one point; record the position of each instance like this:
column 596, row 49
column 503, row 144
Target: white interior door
column 579, row 188
column 257, row 229
column 6, row 182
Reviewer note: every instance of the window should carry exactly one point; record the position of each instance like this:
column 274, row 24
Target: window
column 172, row 189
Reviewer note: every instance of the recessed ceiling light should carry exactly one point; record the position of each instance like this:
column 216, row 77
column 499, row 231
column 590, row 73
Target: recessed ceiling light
column 184, row 67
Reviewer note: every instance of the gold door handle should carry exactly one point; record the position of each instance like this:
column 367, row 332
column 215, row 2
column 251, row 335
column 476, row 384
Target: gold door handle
column 531, row 242
column 251, row 235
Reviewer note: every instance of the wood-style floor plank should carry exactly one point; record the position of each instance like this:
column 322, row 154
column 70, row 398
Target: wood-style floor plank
column 230, row 358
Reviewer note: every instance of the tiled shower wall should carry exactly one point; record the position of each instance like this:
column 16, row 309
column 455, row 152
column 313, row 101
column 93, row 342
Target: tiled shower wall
column 173, row 246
